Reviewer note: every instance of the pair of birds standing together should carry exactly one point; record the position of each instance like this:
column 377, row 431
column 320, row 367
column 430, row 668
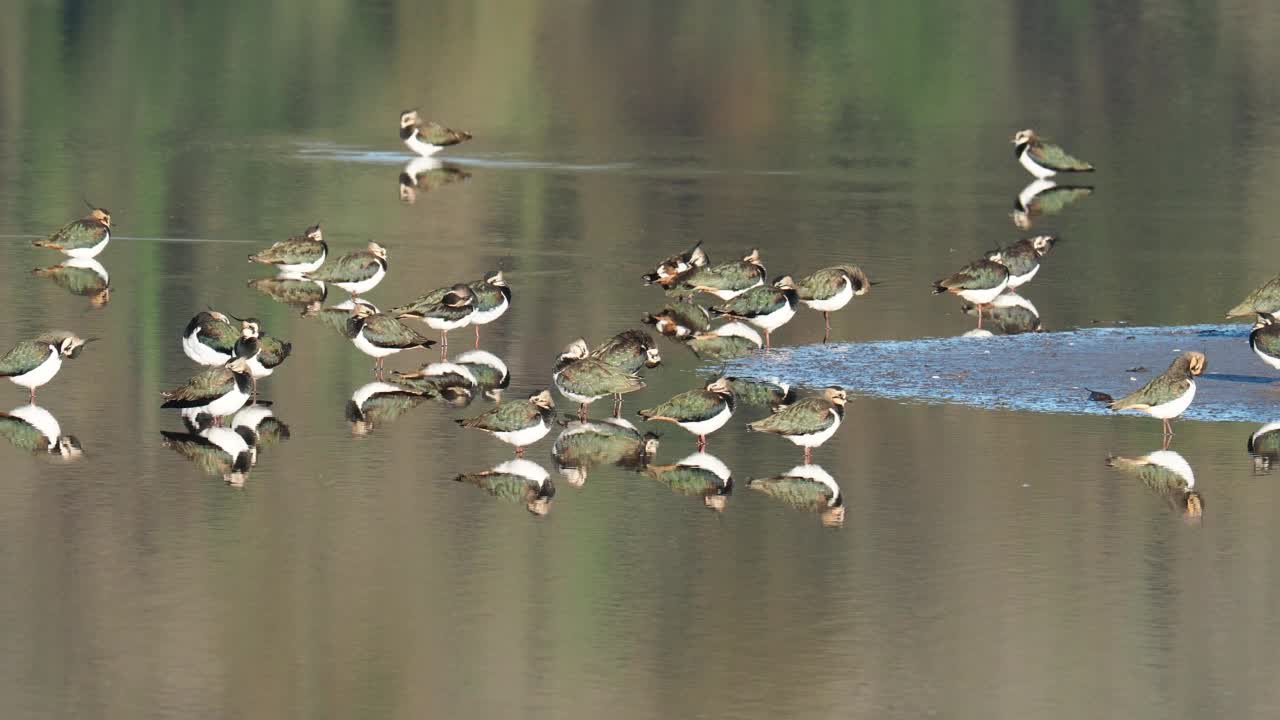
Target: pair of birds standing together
column 745, row 296
column 990, row 281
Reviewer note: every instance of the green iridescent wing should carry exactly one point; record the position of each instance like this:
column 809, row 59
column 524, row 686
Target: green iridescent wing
column 1264, row 299
column 348, row 268
column 687, row 479
column 388, row 332
column 76, row 280
column 1159, row 390
column 437, row 134
column 24, row 357
column 625, row 351
column 592, row 377
column 1055, row 200
column 294, row 251
column 507, row 417
column 691, row 406
column 290, row 291
column 201, row 389
column 980, row 275
column 273, row 351
column 806, row 417
column 1055, row 158
column 75, row 235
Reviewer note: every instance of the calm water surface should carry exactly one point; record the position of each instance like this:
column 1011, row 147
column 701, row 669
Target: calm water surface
column 989, row 563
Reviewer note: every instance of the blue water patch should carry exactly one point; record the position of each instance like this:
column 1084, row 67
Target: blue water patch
column 1037, row 372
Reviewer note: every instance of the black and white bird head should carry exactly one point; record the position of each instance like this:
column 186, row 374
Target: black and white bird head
column 1265, row 319
column 720, row 386
column 1023, row 137
column 836, row 395
column 543, row 400
column 495, row 279
column 1042, row 244
column 409, row 118
column 314, row 233
column 377, row 250
column 573, row 352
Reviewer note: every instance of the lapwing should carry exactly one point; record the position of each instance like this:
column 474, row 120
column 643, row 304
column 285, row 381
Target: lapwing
column 612, row 441
column 85, row 277
column 979, row 282
column 584, row 379
column 1265, row 340
column 357, row 272
column 210, row 338
column 516, row 422
column 83, row 238
column 216, row 392
column 1167, row 395
column 519, row 480
column 679, row 320
column 1044, row 197
column 701, row 411
column 676, row 264
column 489, row 371
column 767, row 307
column 1044, row 159
column 424, row 174
column 443, row 309
column 378, row 403
column 427, row 138
column 32, row 363
column 1265, row 299
column 725, row 281
column 807, row 423
column 698, row 475
column 1167, row 474
column 335, row 317
column 378, row 335
column 1023, row 258
column 830, row 289
column 768, row 392
column 302, row 254
column 263, row 353
column 491, row 299
column 806, row 487
column 629, row 351
column 34, row 429
column 730, row 340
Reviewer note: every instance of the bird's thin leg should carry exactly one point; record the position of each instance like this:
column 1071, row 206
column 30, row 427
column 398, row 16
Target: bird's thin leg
column 767, row 344
column 702, row 443
column 254, row 395
column 979, row 306
column 477, row 337
column 31, row 395
column 582, row 412
column 617, row 405
column 519, row 451
column 377, row 368
column 808, row 455
column 1164, row 445
column 826, row 316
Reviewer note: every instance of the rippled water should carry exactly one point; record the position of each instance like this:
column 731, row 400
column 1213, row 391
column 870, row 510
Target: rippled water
column 987, row 562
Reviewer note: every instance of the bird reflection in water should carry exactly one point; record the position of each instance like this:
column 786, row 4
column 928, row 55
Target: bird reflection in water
column 1044, row 197
column 806, row 487
column 476, row 373
column 1009, row 314
column 424, row 174
column 679, row 320
column 519, row 480
column 293, row 291
column 598, row 443
column 698, row 475
column 1264, row 448
column 35, row 430
column 770, row 392
column 729, row 341
column 85, row 277
column 379, row 403
column 1168, row 475
column 217, row 451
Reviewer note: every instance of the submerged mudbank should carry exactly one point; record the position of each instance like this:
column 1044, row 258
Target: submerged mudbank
column 1037, row 372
